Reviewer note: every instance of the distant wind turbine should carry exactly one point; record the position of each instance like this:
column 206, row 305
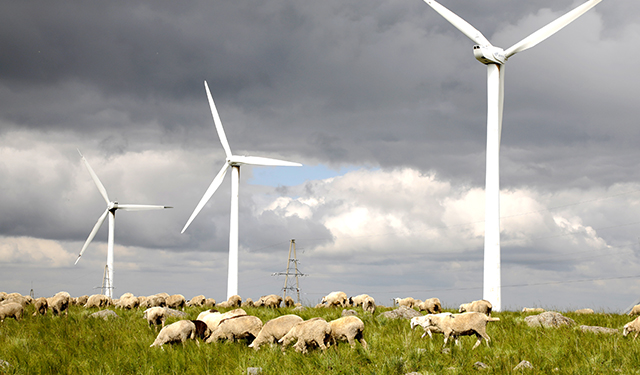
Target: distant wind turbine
column 112, row 206
column 234, row 162
column 495, row 58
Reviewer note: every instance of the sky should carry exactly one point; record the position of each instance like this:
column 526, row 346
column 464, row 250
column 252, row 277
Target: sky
column 381, row 101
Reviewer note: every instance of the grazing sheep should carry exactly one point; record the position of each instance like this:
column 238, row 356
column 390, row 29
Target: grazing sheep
column 60, row 303
column 407, row 302
column 357, row 300
column 481, row 306
column 247, row 303
column 369, row 305
column 315, row 331
column 128, row 302
column 270, row 300
column 584, row 311
column 349, row 328
column 233, row 301
column 18, row 298
column 236, row 328
column 274, row 330
column 209, row 302
column 196, row 301
column 154, row 300
column 179, row 331
column 469, row 323
column 431, row 306
column 635, row 310
column 214, row 318
column 424, row 322
column 176, row 301
column 202, row 330
column 41, row 306
column 632, row 326
column 155, row 316
column 11, row 310
column 533, row 309
column 80, row 301
column 289, row 302
column 335, row 299
column 97, row 300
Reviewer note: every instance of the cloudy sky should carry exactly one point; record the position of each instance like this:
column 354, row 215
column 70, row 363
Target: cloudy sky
column 383, row 103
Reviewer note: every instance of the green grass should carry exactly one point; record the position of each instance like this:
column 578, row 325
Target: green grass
column 77, row 344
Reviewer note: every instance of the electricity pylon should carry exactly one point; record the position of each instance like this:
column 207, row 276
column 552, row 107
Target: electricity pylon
column 288, row 284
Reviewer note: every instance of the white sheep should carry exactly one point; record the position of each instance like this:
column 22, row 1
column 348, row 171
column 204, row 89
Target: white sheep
column 481, row 306
column 271, row 300
column 213, row 318
column 275, row 329
column 431, row 306
column 315, row 331
column 155, row 316
column 10, row 310
column 632, row 326
column 335, row 299
column 60, row 303
column 349, row 328
column 289, row 302
column 41, row 306
column 176, row 301
column 407, row 302
column 128, row 302
column 357, row 300
column 97, row 300
column 469, row 323
column 424, row 322
column 179, row 331
column 233, row 301
column 236, row 328
column 532, row 309
column 196, row 301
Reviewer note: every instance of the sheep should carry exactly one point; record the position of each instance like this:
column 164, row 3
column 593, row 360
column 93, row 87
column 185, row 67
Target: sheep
column 635, row 310
column 274, row 330
column 60, row 303
column 158, row 300
column 18, row 298
column 584, row 311
column 196, row 301
column 202, row 329
column 289, row 302
column 632, row 326
column 408, row 302
column 214, row 318
column 155, row 316
column 128, row 302
column 461, row 325
column 349, row 328
column 424, row 322
column 236, row 328
column 357, row 300
column 80, row 301
column 431, row 306
column 270, row 300
column 315, row 331
column 97, row 300
column 533, row 309
column 233, row 301
column 209, row 302
column 247, row 303
column 11, row 310
column 481, row 306
column 369, row 305
column 179, row 331
column 176, row 301
column 335, row 299
column 41, row 306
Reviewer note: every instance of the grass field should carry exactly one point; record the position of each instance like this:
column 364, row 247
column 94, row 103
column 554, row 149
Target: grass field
column 78, row 344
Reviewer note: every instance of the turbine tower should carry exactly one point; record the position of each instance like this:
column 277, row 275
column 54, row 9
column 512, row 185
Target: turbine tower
column 112, row 207
column 495, row 58
column 233, row 162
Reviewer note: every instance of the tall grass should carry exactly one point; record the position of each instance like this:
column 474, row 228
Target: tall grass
column 78, row 344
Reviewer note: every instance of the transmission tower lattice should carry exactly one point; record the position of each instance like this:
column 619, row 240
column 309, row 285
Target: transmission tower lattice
column 292, row 263
column 106, row 288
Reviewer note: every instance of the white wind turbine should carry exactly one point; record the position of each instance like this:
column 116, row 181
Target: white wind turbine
column 234, row 162
column 495, row 58
column 112, row 206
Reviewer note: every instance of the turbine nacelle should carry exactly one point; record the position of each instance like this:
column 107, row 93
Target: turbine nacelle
column 489, row 54
column 112, row 206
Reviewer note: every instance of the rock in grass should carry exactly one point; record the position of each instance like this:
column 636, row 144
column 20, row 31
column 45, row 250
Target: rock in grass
column 254, row 370
column 104, row 314
column 549, row 319
column 176, row 313
column 480, row 365
column 596, row 329
column 523, row 365
column 401, row 312
column 346, row 312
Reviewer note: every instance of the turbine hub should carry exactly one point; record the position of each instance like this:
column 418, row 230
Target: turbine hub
column 113, row 205
column 489, row 54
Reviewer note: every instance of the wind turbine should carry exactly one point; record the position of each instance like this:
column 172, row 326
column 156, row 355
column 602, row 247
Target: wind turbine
column 495, row 58
column 112, row 206
column 233, row 162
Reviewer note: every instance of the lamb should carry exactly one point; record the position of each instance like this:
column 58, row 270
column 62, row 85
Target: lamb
column 461, row 325
column 41, row 306
column 236, row 328
column 60, row 303
column 335, row 299
column 274, row 330
column 11, row 310
column 632, row 326
column 408, row 302
column 155, row 316
column 349, row 328
column 270, row 300
column 315, row 331
column 196, row 301
column 424, row 322
column 481, row 306
column 179, row 331
column 176, row 301
column 431, row 306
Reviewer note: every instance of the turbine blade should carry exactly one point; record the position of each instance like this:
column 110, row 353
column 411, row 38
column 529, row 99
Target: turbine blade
column 207, row 195
column 96, row 180
column 218, row 123
column 550, row 29
column 459, row 23
column 92, row 234
column 140, row 207
column 257, row 160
